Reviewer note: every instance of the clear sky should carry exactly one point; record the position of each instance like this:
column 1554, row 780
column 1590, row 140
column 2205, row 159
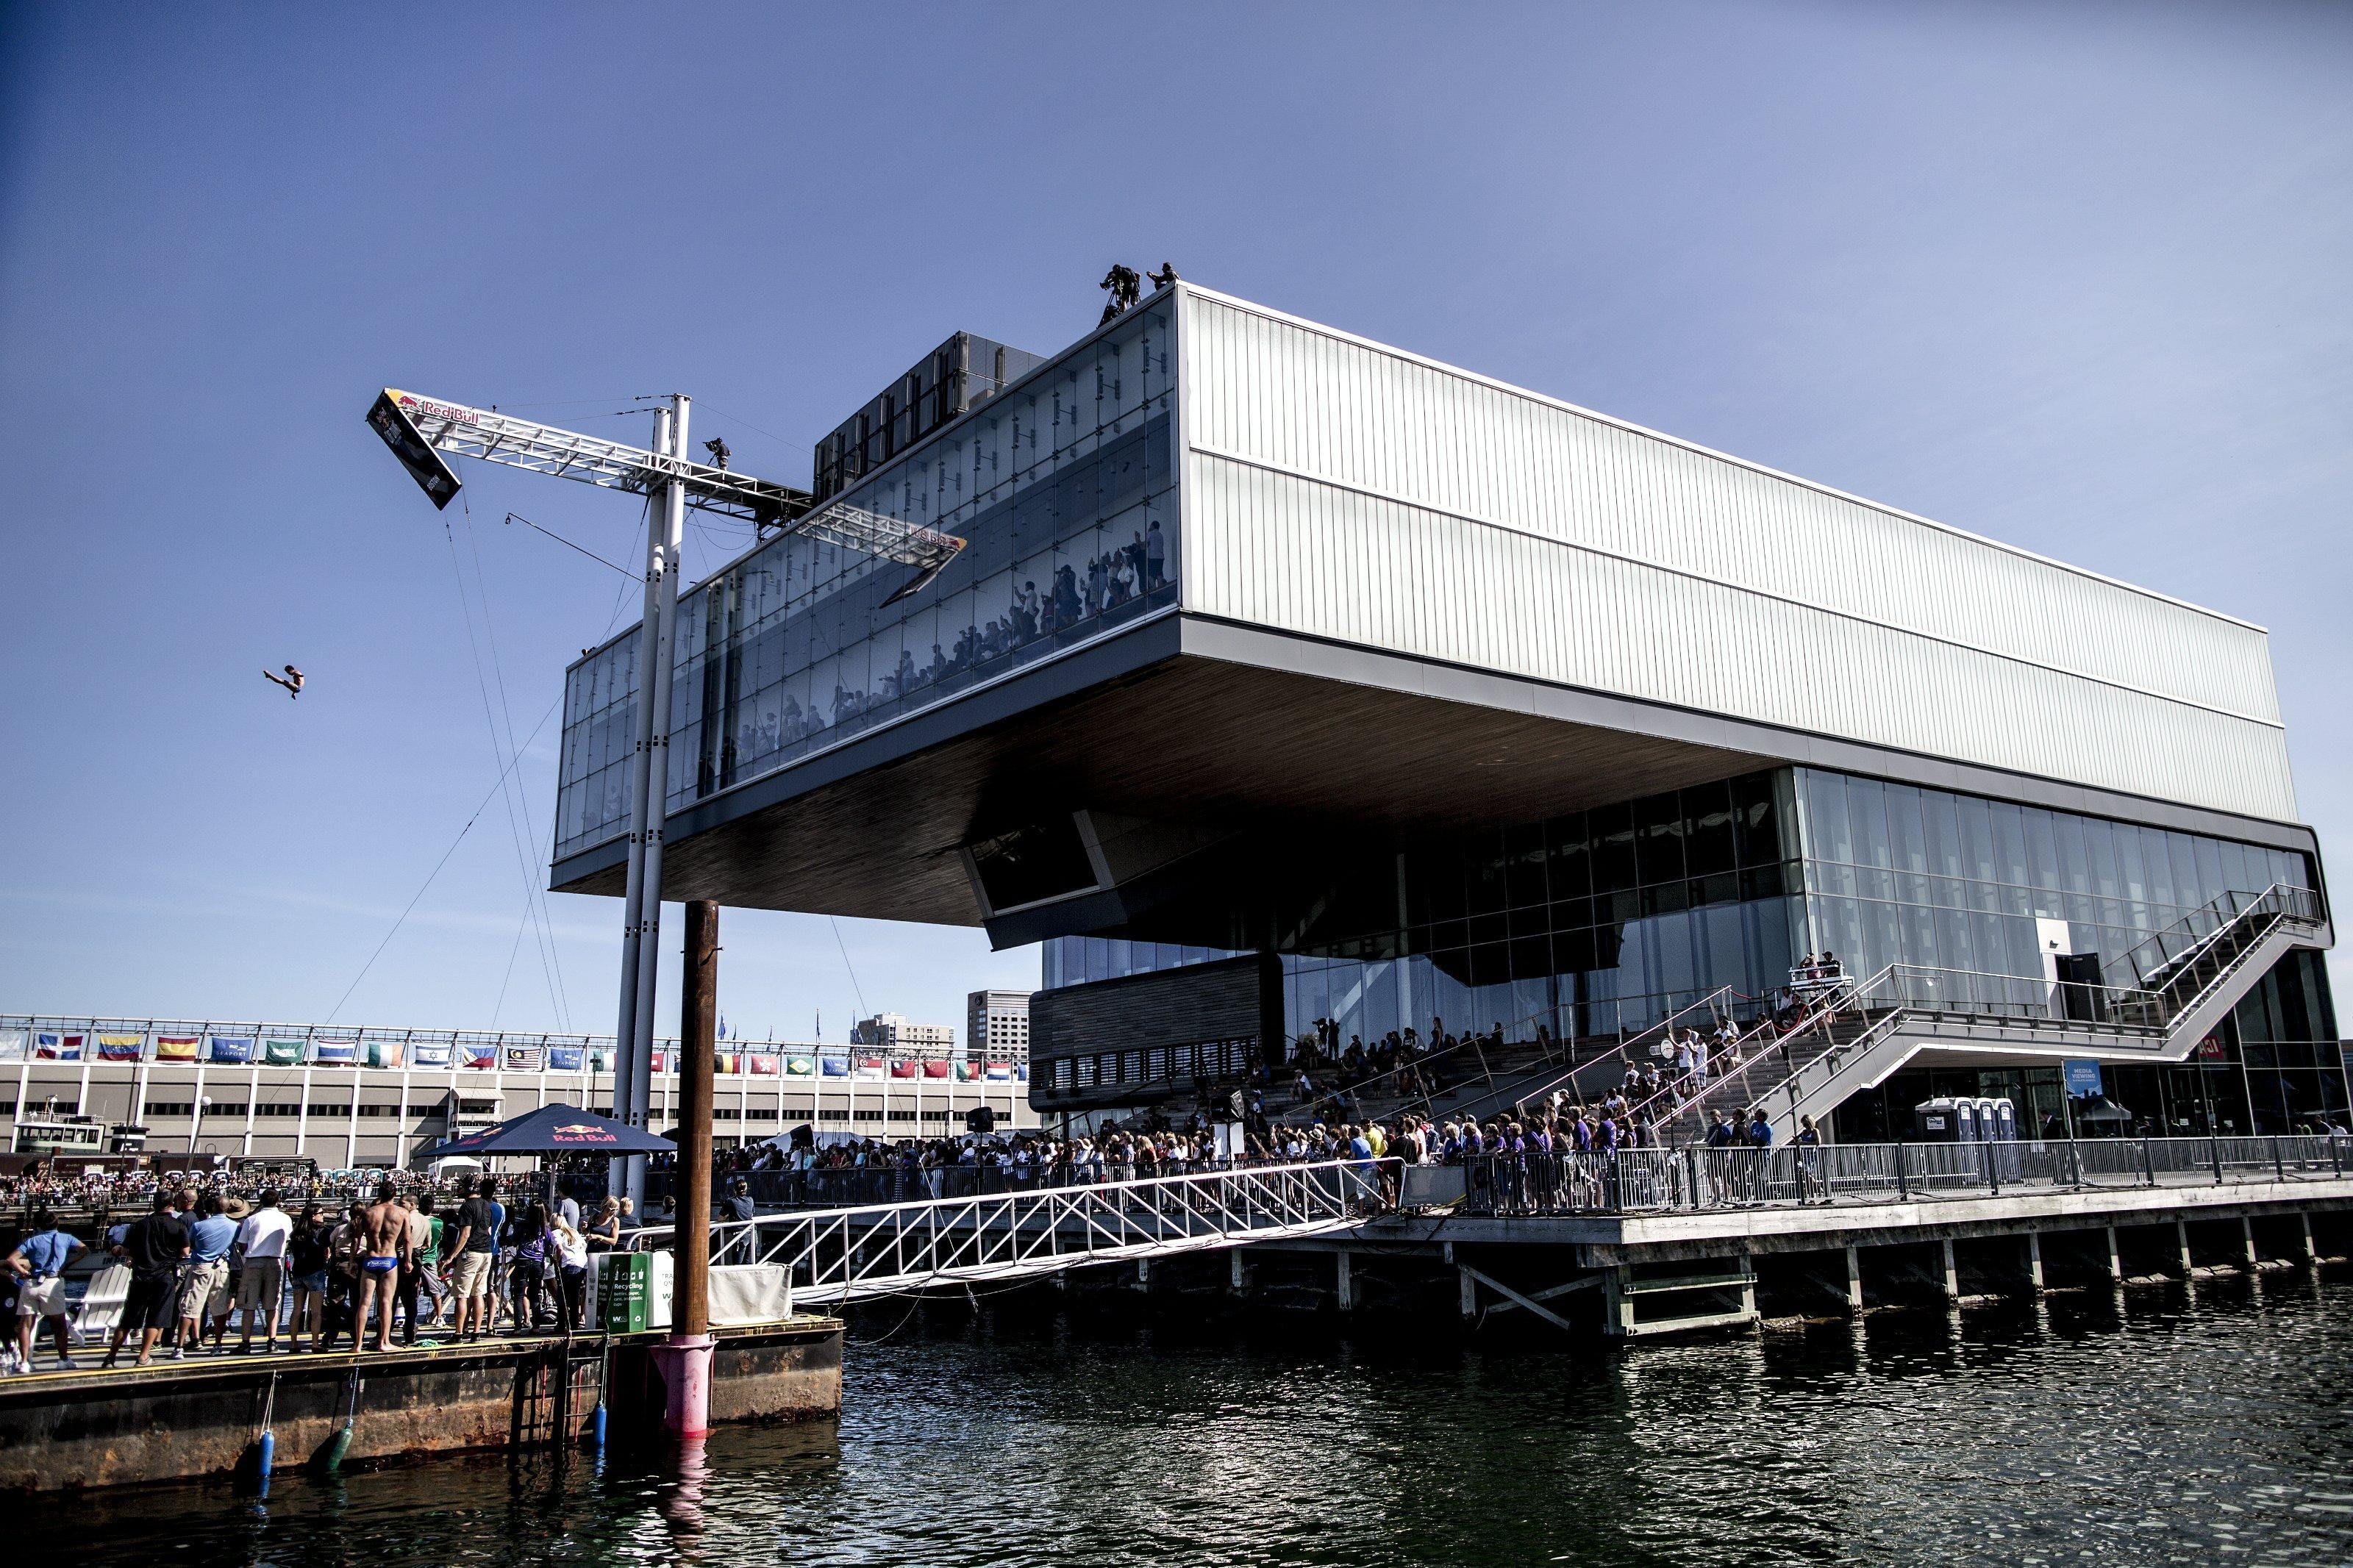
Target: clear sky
column 2077, row 276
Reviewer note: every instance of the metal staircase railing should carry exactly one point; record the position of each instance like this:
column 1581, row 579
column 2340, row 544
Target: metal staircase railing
column 882, row 1250
column 1902, row 998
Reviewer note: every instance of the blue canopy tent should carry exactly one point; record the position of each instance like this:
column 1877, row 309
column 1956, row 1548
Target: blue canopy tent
column 550, row 1129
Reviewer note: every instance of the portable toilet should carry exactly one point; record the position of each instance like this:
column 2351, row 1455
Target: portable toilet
column 1989, row 1121
column 1964, row 1122
column 2005, row 1121
column 1937, row 1120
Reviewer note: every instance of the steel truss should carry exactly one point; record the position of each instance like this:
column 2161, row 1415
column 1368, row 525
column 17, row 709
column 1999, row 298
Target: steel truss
column 491, row 436
column 845, row 1255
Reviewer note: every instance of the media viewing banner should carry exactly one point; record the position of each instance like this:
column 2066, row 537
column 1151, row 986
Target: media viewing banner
column 800, row 1067
column 567, row 1059
column 335, row 1053
column 230, row 1049
column 277, row 1053
column 383, row 1053
column 429, row 1054
column 57, row 1047
column 12, row 1048
column 526, row 1058
column 481, row 1058
column 120, row 1048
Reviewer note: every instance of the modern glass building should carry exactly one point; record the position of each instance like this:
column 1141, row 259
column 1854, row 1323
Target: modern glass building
column 1454, row 702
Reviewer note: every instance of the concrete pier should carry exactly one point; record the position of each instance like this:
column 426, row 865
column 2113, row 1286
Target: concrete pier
column 185, row 1420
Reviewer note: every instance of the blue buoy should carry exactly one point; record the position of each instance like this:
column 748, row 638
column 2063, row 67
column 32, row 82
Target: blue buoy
column 596, row 1427
column 269, row 1455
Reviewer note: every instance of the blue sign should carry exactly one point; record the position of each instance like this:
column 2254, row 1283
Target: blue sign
column 2082, row 1078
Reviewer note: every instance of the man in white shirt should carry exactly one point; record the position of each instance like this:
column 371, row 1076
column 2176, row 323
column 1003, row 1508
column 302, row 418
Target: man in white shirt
column 261, row 1244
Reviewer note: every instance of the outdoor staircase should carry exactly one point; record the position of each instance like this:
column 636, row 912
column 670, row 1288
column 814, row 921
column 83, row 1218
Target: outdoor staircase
column 2182, row 984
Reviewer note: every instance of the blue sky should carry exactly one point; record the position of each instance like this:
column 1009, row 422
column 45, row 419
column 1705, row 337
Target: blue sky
column 2077, row 276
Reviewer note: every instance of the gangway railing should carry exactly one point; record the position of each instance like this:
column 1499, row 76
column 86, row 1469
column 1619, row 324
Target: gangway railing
column 840, row 1255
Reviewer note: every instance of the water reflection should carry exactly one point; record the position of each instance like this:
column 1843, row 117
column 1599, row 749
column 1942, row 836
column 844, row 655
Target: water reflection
column 2146, row 1429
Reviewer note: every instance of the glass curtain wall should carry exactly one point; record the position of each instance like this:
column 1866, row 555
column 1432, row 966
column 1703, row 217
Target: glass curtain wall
column 1595, row 922
column 1897, row 874
column 1064, row 487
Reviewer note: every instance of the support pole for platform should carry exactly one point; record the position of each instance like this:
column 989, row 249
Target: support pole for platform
column 1344, row 1282
column 686, row 1359
column 649, row 803
column 2247, row 1241
column 2311, row 1252
column 2115, row 1259
column 2181, row 1236
column 1952, row 1275
column 1854, row 1278
column 2034, row 1262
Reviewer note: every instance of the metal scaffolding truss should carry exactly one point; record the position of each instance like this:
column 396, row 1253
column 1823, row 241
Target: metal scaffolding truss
column 845, row 1255
column 491, row 436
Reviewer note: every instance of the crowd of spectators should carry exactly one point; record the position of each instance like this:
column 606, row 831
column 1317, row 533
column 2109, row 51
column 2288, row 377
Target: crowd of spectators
column 408, row 1258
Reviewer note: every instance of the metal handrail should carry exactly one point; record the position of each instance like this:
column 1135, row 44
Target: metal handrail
column 2160, row 1013
column 848, row 1254
column 1641, row 1037
column 1629, row 1181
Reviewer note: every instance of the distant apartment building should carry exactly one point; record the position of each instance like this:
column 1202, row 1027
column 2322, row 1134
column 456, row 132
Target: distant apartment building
column 893, row 1032
column 996, row 1023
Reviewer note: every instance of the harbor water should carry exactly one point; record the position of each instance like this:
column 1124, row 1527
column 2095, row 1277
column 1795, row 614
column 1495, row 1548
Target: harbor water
column 2177, row 1428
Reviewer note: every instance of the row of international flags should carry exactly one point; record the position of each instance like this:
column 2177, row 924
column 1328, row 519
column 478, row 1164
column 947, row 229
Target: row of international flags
column 246, row 1050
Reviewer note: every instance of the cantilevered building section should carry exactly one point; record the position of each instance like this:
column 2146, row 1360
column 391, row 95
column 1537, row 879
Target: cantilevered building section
column 1452, row 701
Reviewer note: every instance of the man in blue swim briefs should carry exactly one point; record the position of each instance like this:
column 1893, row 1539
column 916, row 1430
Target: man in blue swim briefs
column 386, row 1228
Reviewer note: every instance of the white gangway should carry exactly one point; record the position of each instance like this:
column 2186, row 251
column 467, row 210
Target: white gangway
column 881, row 1249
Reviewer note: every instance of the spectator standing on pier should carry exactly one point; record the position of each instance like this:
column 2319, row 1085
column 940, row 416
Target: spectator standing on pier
column 261, row 1238
column 306, row 1253
column 604, row 1232
column 154, row 1247
column 204, row 1280
column 38, row 1264
column 571, row 1271
column 526, row 1248
column 421, row 1275
column 470, row 1261
column 386, row 1224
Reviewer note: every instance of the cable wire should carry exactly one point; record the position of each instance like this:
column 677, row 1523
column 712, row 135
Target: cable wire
column 429, row 876
column 514, row 831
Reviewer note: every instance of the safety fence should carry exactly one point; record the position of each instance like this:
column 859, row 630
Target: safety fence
column 1635, row 1181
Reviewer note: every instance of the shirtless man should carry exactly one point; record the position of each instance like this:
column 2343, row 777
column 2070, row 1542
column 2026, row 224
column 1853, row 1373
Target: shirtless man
column 385, row 1229
column 291, row 680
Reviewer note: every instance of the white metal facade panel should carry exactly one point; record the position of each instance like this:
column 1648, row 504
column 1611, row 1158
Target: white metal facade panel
column 1345, row 490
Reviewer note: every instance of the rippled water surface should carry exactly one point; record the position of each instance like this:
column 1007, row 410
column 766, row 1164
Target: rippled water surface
column 2171, row 1432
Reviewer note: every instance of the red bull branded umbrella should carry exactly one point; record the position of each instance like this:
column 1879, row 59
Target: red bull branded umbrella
column 551, row 1130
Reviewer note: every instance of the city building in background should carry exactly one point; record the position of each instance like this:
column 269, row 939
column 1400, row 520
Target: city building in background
column 892, row 1032
column 349, row 1097
column 996, row 1023
column 1291, row 682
